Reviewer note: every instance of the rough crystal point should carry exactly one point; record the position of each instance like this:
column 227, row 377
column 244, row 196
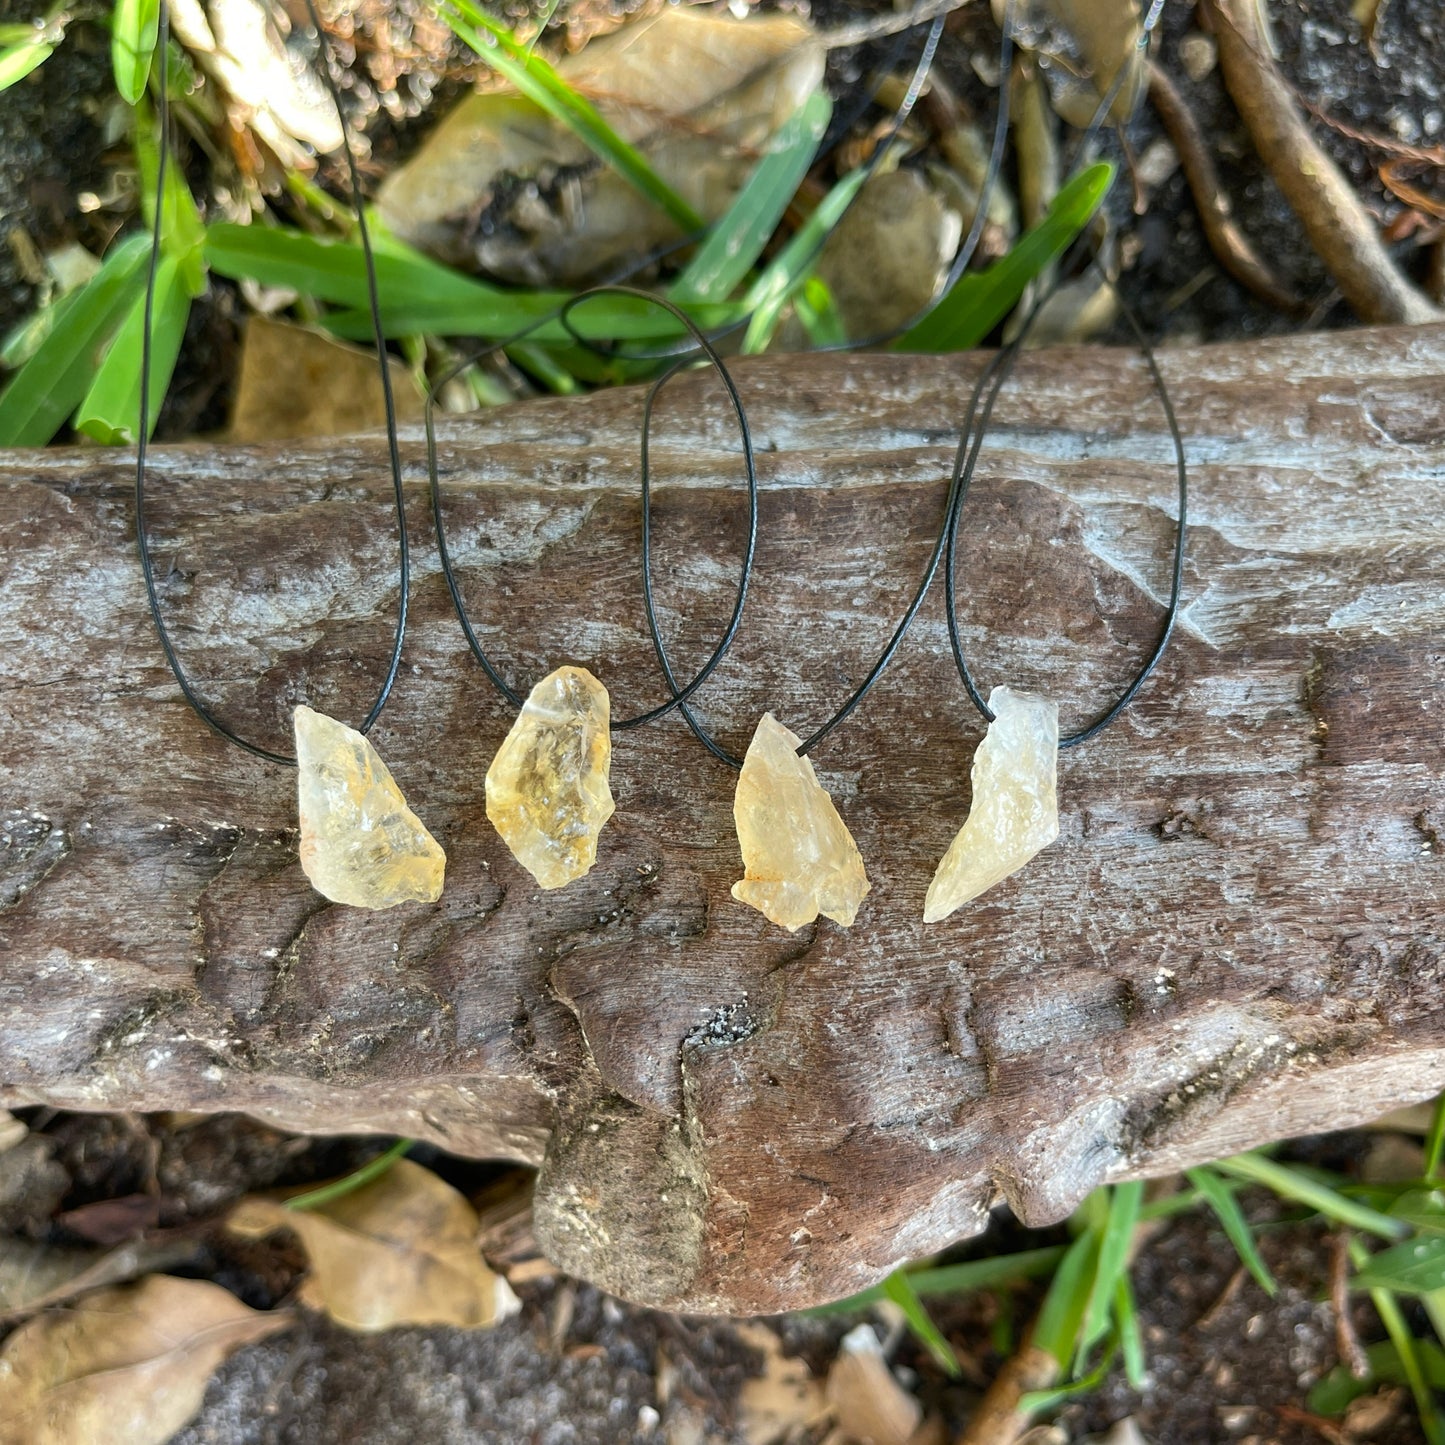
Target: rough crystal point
column 1015, row 808
column 547, row 789
column 360, row 843
column 799, row 858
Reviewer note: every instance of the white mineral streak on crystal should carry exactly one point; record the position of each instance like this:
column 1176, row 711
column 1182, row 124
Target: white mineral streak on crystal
column 798, row 856
column 1015, row 810
column 548, row 792
column 360, row 843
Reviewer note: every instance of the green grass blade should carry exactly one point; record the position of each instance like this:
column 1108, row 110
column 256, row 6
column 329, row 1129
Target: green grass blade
column 183, row 233
column 1226, row 1209
column 737, row 239
column 1041, row 1402
column 1407, row 1347
column 541, row 365
column 1114, row 1241
column 111, row 408
column 17, row 61
column 372, row 1169
column 1131, row 1338
column 47, row 388
column 898, row 1289
column 790, row 268
column 534, row 78
column 818, row 313
column 1435, row 1140
column 1415, row 1266
column 1068, row 1299
column 979, row 300
column 953, row 1279
column 132, row 44
column 1293, row 1184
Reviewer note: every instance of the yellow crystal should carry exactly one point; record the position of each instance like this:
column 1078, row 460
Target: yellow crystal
column 799, row 858
column 1015, row 809
column 547, row 788
column 360, row 843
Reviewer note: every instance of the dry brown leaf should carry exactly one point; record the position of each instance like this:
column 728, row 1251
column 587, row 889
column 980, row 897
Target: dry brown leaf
column 870, row 1406
column 295, row 382
column 784, row 1398
column 1084, row 44
column 12, row 1130
column 128, row 1364
column 35, row 1276
column 401, row 1250
column 501, row 187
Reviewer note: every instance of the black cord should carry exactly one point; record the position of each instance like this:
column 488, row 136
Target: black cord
column 994, row 377
column 679, row 694
column 188, row 691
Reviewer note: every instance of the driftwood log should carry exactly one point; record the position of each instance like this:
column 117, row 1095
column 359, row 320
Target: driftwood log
column 1238, row 936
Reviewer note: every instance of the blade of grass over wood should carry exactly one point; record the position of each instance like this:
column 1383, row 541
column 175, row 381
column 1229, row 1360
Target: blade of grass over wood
column 1041, row 1402
column 1292, row 1184
column 1114, row 1241
column 18, row 60
column 111, row 408
column 1064, row 1306
column 534, row 78
column 541, row 365
column 1216, row 1194
column 737, row 239
column 47, row 388
column 790, row 268
column 818, row 313
column 899, row 1289
column 978, row 301
column 132, row 44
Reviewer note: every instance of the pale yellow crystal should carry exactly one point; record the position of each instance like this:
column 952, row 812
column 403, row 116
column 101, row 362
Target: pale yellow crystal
column 799, row 858
column 547, row 789
column 360, row 843
column 1015, row 810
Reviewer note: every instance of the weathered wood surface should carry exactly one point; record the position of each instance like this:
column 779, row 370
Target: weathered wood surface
column 1239, row 934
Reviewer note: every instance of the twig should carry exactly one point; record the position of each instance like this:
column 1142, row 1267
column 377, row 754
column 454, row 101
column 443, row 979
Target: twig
column 998, row 1419
column 1338, row 226
column 885, row 25
column 1230, row 245
column 1347, row 1342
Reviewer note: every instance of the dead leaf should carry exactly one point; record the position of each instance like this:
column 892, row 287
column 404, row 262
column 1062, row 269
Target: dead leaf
column 500, row 187
column 267, row 89
column 401, row 1250
column 295, row 382
column 128, row 1364
column 887, row 257
column 32, row 1184
column 785, row 1398
column 35, row 1276
column 869, row 1405
column 112, row 1221
column 1082, row 46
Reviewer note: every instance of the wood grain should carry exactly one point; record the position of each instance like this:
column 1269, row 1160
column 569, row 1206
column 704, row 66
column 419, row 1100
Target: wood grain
column 1238, row 935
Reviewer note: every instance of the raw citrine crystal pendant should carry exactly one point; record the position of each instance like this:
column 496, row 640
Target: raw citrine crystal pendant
column 360, row 843
column 799, row 858
column 547, row 789
column 1015, row 810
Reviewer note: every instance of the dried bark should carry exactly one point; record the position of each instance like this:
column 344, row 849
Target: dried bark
column 1238, row 935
